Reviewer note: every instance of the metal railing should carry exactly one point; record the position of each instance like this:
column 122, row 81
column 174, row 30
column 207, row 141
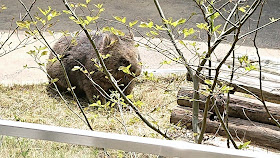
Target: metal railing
column 121, row 142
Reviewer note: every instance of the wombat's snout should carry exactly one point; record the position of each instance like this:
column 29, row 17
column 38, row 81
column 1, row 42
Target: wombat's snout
column 134, row 69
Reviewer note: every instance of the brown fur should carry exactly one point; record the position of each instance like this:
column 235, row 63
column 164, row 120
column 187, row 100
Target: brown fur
column 122, row 51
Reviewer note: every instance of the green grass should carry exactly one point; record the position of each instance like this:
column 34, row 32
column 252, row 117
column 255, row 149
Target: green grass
column 33, row 103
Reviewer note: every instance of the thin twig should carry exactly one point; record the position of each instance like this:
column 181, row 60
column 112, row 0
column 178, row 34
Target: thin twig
column 61, row 63
column 111, row 78
column 260, row 69
column 190, row 72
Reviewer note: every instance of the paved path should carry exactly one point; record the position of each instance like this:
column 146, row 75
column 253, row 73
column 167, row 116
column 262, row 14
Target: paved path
column 145, row 10
column 11, row 65
column 12, row 69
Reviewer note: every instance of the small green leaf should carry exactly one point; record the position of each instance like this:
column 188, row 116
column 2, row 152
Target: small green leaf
column 42, row 11
column 88, row 1
column 66, row 11
column 146, row 25
column 216, row 28
column 107, row 55
column 214, row 16
column 130, row 96
column 44, row 53
column 272, row 19
column 202, row 26
column 99, row 6
column 160, row 27
column 122, row 20
column 53, row 60
column 244, row 146
column 165, row 62
column 3, row 7
column 242, row 9
column 182, row 42
column 178, row 22
column 125, row 69
column 54, row 80
column 188, row 32
column 133, row 23
column 208, row 82
column 75, row 68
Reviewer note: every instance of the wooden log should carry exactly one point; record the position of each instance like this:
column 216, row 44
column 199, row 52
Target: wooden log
column 239, row 107
column 244, row 85
column 257, row 133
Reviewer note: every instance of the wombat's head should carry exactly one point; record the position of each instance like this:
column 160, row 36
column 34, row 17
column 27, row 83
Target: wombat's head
column 123, row 55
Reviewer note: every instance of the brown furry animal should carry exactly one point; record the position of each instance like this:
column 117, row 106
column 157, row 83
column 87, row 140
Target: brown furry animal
column 121, row 50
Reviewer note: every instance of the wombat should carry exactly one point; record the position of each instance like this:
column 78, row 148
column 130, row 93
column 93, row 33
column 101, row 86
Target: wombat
column 121, row 50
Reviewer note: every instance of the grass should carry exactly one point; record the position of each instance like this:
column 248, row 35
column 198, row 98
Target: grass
column 33, row 103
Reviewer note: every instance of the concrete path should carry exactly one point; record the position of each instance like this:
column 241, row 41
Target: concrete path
column 12, row 69
column 145, row 10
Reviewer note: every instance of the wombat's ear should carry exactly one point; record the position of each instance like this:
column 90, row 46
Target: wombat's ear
column 110, row 40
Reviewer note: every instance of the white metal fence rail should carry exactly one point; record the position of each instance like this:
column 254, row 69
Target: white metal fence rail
column 120, row 142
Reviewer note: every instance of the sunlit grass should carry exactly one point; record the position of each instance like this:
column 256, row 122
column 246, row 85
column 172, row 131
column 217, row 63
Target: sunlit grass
column 33, row 103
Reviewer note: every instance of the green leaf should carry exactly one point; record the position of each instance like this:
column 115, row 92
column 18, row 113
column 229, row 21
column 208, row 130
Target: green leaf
column 242, row 9
column 122, row 20
column 44, row 53
column 188, row 32
column 133, row 23
column 130, row 96
column 202, row 26
column 88, row 1
column 54, row 80
column 178, row 22
column 182, row 42
column 113, row 30
column 66, row 11
column 99, row 6
column 244, row 146
column 215, row 15
column 154, row 33
column 226, row 89
column 45, row 12
column 3, row 7
column 125, row 69
column 24, row 24
column 160, row 27
column 272, row 19
column 146, row 25
column 165, row 62
column 53, row 60
column 75, row 68
column 208, row 82
column 216, row 28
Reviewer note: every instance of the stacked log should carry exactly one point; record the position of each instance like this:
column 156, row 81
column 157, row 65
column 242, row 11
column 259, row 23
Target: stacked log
column 247, row 117
column 240, row 107
column 258, row 133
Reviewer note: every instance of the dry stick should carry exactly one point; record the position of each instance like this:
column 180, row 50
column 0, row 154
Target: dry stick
column 64, row 70
column 260, row 67
column 111, row 78
column 194, row 77
column 2, row 45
